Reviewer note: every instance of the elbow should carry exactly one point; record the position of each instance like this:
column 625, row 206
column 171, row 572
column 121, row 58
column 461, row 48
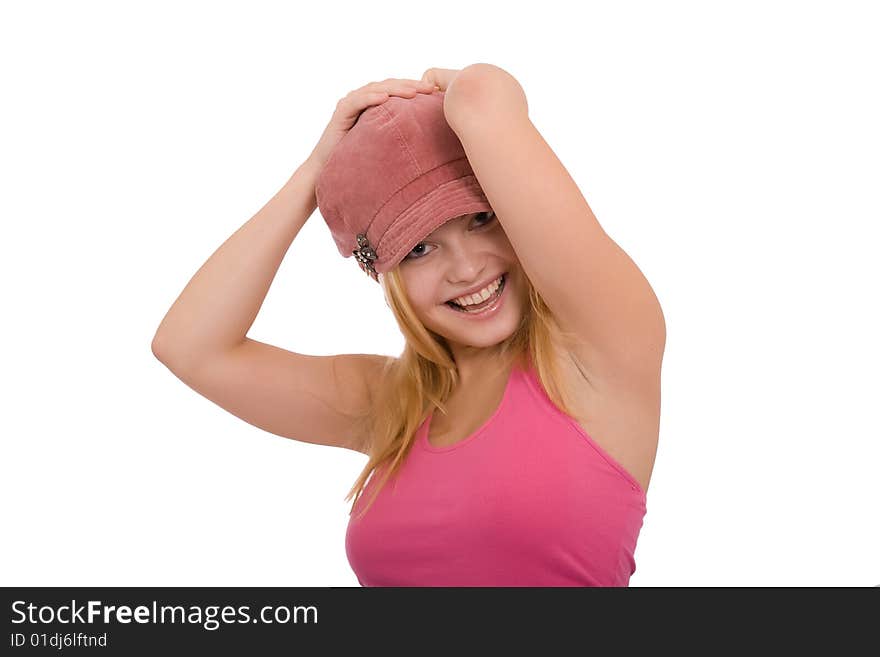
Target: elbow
column 484, row 88
column 482, row 68
column 158, row 348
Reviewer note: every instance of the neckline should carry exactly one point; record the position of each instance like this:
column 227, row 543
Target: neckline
column 426, row 429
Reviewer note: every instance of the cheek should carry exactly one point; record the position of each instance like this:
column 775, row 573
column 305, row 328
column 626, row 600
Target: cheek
column 427, row 306
column 422, row 293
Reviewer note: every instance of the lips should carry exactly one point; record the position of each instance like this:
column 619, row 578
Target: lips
column 480, row 306
column 484, row 285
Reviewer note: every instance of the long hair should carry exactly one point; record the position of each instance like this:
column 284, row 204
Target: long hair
column 425, row 374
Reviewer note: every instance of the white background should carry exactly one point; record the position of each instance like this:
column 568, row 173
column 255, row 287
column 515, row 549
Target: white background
column 730, row 148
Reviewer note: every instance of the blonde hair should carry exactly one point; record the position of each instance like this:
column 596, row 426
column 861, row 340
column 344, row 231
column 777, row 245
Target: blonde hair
column 425, row 374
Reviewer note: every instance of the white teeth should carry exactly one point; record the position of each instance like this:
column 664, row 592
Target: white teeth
column 480, row 296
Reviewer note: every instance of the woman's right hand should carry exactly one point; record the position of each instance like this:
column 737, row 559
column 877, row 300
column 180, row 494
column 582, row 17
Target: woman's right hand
column 349, row 108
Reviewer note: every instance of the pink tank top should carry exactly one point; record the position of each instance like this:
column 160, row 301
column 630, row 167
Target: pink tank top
column 528, row 499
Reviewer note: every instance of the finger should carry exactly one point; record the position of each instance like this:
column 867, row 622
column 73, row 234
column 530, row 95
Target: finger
column 435, row 85
column 409, row 88
column 418, row 85
column 429, row 83
column 393, row 83
column 378, row 92
column 355, row 102
column 369, row 100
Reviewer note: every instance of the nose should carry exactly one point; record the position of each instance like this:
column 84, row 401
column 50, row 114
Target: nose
column 466, row 262
column 466, row 268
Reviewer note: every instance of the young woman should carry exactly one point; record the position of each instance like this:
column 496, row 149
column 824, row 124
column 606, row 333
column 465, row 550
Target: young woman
column 531, row 332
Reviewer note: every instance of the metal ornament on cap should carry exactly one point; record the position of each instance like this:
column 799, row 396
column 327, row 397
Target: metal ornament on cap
column 365, row 255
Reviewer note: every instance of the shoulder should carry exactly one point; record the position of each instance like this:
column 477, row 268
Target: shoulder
column 374, row 368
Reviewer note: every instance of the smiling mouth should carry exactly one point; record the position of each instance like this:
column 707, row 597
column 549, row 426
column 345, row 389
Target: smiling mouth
column 489, row 300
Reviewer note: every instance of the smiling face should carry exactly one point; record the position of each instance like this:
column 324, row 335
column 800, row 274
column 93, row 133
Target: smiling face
column 464, row 254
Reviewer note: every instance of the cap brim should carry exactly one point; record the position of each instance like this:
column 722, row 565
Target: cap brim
column 450, row 200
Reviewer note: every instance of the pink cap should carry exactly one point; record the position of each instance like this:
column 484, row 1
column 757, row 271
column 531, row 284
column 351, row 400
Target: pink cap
column 398, row 174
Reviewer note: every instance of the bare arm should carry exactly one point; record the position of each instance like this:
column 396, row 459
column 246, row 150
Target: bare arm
column 203, row 339
column 219, row 304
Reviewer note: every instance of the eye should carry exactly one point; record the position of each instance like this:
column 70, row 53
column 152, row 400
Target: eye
column 409, row 256
column 486, row 218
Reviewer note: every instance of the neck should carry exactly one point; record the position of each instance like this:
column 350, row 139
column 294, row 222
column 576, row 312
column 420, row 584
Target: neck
column 481, row 369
